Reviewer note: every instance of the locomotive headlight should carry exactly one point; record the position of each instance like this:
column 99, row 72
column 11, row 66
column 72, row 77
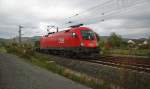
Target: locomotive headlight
column 82, row 44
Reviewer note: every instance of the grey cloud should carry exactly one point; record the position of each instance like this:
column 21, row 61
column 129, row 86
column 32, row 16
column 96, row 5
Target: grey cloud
column 32, row 13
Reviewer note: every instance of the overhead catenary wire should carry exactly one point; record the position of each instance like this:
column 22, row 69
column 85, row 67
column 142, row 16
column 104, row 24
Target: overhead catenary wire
column 118, row 6
column 85, row 11
column 20, row 32
column 109, row 15
column 114, row 5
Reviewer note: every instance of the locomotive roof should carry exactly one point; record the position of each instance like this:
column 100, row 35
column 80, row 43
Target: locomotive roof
column 75, row 28
column 80, row 28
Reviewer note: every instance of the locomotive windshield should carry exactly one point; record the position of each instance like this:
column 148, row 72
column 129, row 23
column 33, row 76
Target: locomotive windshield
column 87, row 35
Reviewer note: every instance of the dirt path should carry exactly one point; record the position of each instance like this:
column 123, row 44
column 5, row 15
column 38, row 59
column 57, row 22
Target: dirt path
column 17, row 74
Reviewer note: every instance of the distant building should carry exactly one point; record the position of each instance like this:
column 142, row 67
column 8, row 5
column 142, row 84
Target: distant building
column 140, row 44
column 145, row 42
column 131, row 42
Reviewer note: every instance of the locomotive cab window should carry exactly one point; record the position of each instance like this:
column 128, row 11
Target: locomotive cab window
column 87, row 35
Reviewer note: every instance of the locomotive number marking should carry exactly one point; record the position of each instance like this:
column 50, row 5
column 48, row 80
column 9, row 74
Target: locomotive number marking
column 61, row 40
column 91, row 44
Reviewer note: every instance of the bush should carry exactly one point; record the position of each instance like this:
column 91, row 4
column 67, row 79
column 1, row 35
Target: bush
column 23, row 50
column 105, row 47
column 148, row 54
column 116, row 41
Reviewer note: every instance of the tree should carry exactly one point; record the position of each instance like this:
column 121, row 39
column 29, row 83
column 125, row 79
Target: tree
column 149, row 42
column 115, row 40
column 149, row 39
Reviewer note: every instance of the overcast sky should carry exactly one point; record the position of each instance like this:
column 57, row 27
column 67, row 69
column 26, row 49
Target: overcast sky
column 128, row 18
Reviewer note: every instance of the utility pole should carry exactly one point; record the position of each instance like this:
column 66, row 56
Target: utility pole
column 20, row 27
column 57, row 29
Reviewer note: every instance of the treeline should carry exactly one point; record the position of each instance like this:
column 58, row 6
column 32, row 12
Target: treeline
column 116, row 41
column 128, row 47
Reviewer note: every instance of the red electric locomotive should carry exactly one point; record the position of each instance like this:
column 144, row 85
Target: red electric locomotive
column 76, row 40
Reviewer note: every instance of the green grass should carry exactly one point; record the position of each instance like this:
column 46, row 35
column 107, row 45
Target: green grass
column 28, row 54
column 43, row 61
column 3, row 50
column 133, row 52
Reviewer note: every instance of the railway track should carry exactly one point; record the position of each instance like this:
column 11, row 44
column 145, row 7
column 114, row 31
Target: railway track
column 137, row 64
column 122, row 63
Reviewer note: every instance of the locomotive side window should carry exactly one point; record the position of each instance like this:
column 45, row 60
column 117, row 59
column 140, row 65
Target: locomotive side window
column 74, row 35
column 87, row 35
column 46, row 35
